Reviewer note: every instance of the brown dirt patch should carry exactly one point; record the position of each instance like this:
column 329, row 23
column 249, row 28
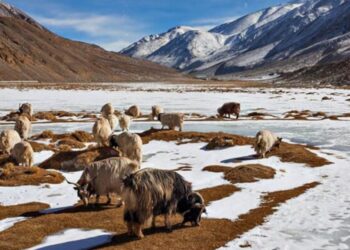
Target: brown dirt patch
column 77, row 160
column 12, row 175
column 38, row 147
column 219, row 142
column 244, row 173
column 287, row 152
column 71, row 143
column 212, row 234
column 172, row 135
column 80, row 136
column 217, row 193
column 21, row 210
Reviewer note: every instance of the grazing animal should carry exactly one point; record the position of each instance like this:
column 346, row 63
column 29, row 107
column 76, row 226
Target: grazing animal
column 26, row 108
column 151, row 192
column 112, row 120
column 104, row 178
column 101, row 131
column 156, row 110
column 128, row 144
column 230, row 108
column 8, row 139
column 107, row 110
column 192, row 209
column 23, row 126
column 124, row 122
column 23, row 154
column 133, row 111
column 265, row 140
column 171, row 120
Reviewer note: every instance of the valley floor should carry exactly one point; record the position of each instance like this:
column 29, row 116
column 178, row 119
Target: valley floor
column 298, row 207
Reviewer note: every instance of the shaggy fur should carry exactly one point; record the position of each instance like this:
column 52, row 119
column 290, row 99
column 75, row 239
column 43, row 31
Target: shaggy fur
column 104, row 178
column 8, row 139
column 23, row 126
column 101, row 131
column 128, row 144
column 151, row 192
column 112, row 120
column 26, row 108
column 107, row 110
column 193, row 209
column 23, row 154
column 133, row 111
column 124, row 122
column 265, row 140
column 171, row 120
column 230, row 108
column 156, row 110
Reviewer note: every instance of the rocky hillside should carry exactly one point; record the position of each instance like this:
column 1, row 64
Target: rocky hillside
column 28, row 51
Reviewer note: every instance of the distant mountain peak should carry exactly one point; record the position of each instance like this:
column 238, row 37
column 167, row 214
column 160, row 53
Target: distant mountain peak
column 285, row 37
column 7, row 10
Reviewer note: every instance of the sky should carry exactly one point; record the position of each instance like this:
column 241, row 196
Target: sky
column 115, row 24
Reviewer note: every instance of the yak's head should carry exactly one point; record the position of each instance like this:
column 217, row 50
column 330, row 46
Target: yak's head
column 159, row 116
column 219, row 110
column 84, row 189
column 278, row 142
column 113, row 141
column 129, row 181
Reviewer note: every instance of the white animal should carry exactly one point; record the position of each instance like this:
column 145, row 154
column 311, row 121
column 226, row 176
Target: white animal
column 265, row 140
column 101, row 131
column 129, row 145
column 23, row 153
column 171, row 120
column 124, row 122
column 8, row 139
column 23, row 126
column 156, row 110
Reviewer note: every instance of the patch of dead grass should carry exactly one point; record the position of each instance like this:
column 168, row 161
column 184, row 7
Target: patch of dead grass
column 212, row 234
column 243, row 173
column 21, row 210
column 12, row 175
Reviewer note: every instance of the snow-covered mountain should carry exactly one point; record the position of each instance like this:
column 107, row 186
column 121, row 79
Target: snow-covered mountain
column 280, row 38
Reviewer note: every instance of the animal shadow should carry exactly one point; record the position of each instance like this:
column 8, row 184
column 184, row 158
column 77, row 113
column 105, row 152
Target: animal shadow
column 240, row 159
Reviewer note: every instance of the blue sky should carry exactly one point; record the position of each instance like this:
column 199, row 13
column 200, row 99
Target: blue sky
column 114, row 24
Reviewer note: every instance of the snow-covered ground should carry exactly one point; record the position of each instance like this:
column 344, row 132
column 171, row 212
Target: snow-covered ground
column 318, row 219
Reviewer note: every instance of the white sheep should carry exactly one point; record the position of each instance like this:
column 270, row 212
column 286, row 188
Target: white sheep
column 107, row 109
column 23, row 153
column 171, row 120
column 26, row 108
column 101, row 131
column 112, row 120
column 8, row 139
column 156, row 110
column 124, row 122
column 128, row 144
column 23, row 126
column 133, row 111
column 265, row 140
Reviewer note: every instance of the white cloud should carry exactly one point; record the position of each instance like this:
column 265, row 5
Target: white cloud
column 113, row 32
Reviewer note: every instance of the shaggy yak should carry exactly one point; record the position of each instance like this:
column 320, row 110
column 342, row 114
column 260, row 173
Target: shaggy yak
column 151, row 192
column 229, row 109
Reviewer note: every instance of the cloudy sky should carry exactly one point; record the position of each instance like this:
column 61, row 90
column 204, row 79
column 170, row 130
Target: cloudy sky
column 114, row 24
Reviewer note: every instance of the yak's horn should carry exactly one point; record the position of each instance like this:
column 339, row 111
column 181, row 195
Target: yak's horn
column 73, row 183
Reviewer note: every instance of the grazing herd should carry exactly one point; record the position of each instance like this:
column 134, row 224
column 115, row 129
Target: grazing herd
column 146, row 193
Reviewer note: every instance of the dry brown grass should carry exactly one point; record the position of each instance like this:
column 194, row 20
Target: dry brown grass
column 21, row 210
column 212, row 233
column 287, row 152
column 77, row 160
column 80, row 136
column 218, row 192
column 71, row 143
column 38, row 147
column 172, row 135
column 12, row 175
column 244, row 173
